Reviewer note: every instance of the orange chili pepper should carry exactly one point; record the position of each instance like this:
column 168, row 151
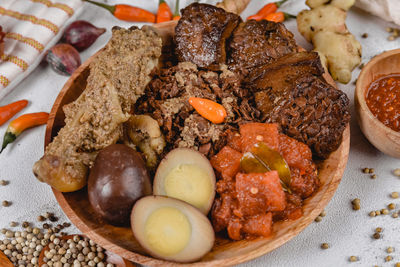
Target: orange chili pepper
column 8, row 111
column 20, row 124
column 164, row 13
column 279, row 16
column 127, row 12
column 176, row 13
column 208, row 109
column 267, row 9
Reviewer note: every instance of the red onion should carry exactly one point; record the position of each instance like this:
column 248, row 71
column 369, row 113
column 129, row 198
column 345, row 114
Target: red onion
column 63, row 58
column 82, row 34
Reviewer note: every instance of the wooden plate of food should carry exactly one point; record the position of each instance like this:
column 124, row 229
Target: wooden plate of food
column 120, row 239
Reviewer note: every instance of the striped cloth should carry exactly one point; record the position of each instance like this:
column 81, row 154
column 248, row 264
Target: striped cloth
column 29, row 25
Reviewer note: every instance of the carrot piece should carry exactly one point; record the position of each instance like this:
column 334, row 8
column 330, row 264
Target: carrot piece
column 267, row 9
column 20, row 124
column 210, row 110
column 8, row 111
column 259, row 225
column 127, row 12
column 164, row 13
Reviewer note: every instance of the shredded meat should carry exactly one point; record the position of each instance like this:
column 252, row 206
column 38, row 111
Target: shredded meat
column 166, row 100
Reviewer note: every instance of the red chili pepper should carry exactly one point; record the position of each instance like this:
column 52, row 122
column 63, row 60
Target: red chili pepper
column 267, row 9
column 279, row 17
column 177, row 15
column 20, row 124
column 8, row 111
column 164, row 13
column 127, row 12
column 212, row 111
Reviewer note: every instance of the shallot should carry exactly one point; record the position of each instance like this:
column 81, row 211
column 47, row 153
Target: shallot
column 82, row 34
column 63, row 58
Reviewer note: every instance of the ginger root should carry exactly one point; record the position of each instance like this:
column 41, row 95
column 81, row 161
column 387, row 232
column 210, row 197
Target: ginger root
column 234, row 6
column 324, row 25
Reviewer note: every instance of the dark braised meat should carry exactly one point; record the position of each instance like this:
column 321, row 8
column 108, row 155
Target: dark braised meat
column 279, row 76
column 201, row 34
column 166, row 100
column 254, row 43
column 291, row 92
column 312, row 112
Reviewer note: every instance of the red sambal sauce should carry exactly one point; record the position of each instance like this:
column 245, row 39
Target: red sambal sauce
column 383, row 99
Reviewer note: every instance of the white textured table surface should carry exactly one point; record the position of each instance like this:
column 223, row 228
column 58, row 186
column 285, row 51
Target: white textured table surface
column 348, row 232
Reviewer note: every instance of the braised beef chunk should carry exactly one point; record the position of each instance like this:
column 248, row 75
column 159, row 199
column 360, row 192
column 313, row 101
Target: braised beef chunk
column 201, row 34
column 254, row 43
column 312, row 112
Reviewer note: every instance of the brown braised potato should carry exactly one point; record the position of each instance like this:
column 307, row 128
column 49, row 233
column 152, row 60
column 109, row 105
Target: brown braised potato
column 255, row 43
column 201, row 34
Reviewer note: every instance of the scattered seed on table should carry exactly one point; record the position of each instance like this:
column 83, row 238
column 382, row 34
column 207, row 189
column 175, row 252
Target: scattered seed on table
column 6, row 203
column 324, row 245
column 372, row 214
column 353, row 259
column 376, row 235
column 41, row 218
column 394, row 194
column 391, row 206
column 391, row 38
column 378, row 212
column 53, row 218
column 389, row 29
column 389, row 250
column 47, row 215
column 397, row 172
column 25, row 224
column 388, row 258
column 397, row 264
column 3, row 182
column 364, row 35
column 318, row 219
column 373, row 176
column 323, row 213
column 46, row 226
column 371, row 170
column 384, row 211
column 365, row 170
column 395, row 215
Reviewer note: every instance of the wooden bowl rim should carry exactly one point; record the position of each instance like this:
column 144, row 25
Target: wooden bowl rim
column 361, row 88
column 341, row 154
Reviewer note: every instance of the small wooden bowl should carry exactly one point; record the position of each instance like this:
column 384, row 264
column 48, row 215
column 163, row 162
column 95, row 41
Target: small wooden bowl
column 382, row 137
column 225, row 252
column 4, row 261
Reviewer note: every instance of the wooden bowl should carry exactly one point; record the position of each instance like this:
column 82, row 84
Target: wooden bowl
column 225, row 252
column 382, row 137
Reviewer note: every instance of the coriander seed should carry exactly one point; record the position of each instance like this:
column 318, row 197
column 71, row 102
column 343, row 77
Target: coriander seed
column 391, row 206
column 395, row 215
column 394, row 194
column 13, row 224
column 6, row 203
column 372, row 214
column 41, row 218
column 378, row 212
column 373, row 176
column 397, row 264
column 389, row 250
column 318, row 219
column 397, row 172
column 384, row 211
column 364, row 35
column 3, row 182
column 388, row 258
column 25, row 224
column 376, row 235
column 353, row 258
column 324, row 245
column 365, row 170
column 378, row 230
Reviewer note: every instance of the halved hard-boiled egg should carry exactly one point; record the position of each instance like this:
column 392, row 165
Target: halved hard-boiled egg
column 186, row 174
column 170, row 229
